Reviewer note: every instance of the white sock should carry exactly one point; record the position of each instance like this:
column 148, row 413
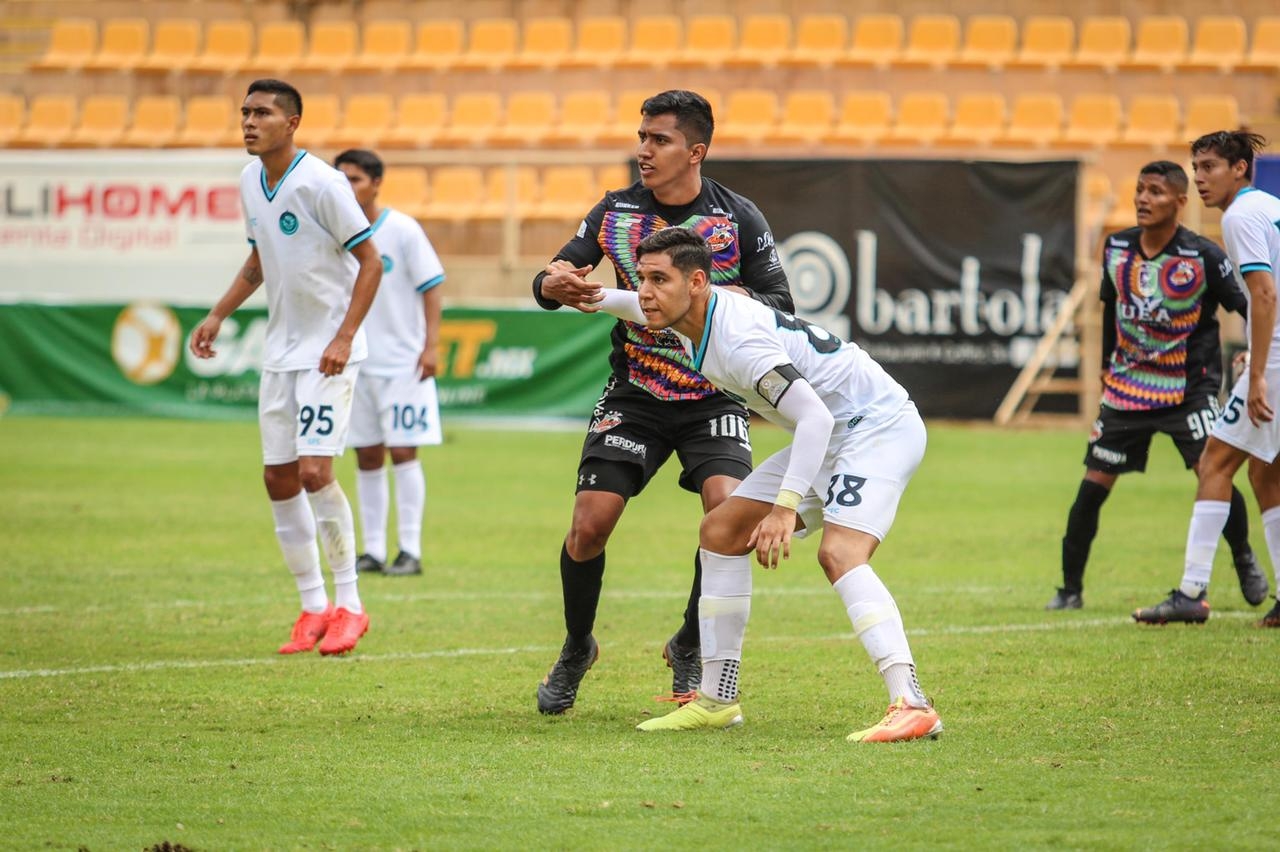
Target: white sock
column 878, row 625
column 371, row 490
column 1271, row 529
column 1208, row 517
column 338, row 537
column 723, row 611
column 296, row 532
column 411, row 501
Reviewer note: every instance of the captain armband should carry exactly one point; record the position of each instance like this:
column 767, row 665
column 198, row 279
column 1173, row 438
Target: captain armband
column 774, row 384
column 788, row 499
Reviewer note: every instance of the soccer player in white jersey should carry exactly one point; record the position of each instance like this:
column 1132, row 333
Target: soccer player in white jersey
column 857, row 439
column 309, row 243
column 1247, row 429
column 396, row 409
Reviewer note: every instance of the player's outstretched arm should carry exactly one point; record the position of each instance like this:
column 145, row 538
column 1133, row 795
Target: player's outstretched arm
column 338, row 352
column 567, row 284
column 623, row 304
column 248, row 279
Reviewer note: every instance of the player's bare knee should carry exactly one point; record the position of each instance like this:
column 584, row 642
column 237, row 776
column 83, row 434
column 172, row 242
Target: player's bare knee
column 719, row 533
column 315, row 473
column 370, row 458
column 586, row 542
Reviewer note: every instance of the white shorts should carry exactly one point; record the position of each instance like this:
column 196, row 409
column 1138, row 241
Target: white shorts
column 1234, row 427
column 304, row 413
column 396, row 412
column 861, row 480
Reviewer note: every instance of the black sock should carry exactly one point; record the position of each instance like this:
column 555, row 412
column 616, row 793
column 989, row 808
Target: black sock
column 1236, row 532
column 1082, row 526
column 580, row 582
column 689, row 634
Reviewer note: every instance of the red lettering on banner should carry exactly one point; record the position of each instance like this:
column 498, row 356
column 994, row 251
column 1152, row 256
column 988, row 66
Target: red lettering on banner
column 224, row 202
column 62, row 199
column 161, row 203
column 121, row 201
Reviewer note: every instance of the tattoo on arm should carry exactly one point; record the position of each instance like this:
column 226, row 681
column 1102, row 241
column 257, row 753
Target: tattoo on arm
column 251, row 272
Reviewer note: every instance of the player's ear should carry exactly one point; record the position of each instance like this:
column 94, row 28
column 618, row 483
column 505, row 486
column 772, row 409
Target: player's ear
column 697, row 153
column 698, row 281
column 292, row 123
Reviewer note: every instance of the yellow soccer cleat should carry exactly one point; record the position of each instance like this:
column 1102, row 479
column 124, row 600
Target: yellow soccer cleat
column 700, row 713
column 901, row 722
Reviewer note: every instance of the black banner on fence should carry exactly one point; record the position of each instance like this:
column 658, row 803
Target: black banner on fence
column 946, row 272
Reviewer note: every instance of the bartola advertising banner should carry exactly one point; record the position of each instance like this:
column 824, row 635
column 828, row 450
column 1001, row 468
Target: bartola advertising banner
column 133, row 359
column 946, row 272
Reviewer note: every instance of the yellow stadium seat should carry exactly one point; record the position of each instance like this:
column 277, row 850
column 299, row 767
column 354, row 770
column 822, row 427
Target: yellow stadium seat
column 155, row 122
column 1152, row 121
column 876, row 41
column 384, row 46
column 1048, row 42
column 1035, row 121
column 1207, row 113
column 765, row 40
column 173, row 46
column 471, row 120
column 527, row 120
column 808, row 116
column 123, row 46
column 509, row 190
column 332, row 47
column 280, row 48
column 365, row 121
column 405, row 188
column 978, row 120
column 567, row 193
column 50, row 119
column 491, row 44
column 544, row 43
column 72, row 43
column 13, row 114
column 921, row 119
column 654, row 41
column 321, row 114
column 457, row 193
column 820, row 41
column 1218, row 44
column 1104, row 43
column 749, row 116
column 864, row 119
column 1264, row 50
column 419, row 119
column 609, row 178
column 583, row 116
column 601, row 40
column 210, row 121
column 625, row 123
column 102, row 122
column 1161, row 43
column 1093, row 122
column 708, row 42
column 227, row 47
column 932, row 42
column 990, row 41
column 437, row 46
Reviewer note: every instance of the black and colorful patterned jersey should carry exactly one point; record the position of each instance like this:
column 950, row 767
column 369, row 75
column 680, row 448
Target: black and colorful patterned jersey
column 1162, row 341
column 742, row 253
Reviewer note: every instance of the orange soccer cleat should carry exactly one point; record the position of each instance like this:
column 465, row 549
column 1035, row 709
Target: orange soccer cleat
column 345, row 630
column 307, row 631
column 901, row 722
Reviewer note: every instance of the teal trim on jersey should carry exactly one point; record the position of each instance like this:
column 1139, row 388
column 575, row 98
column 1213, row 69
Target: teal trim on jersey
column 358, row 239
column 382, row 217
column 253, row 242
column 1245, row 189
column 271, row 193
column 1255, row 267
column 432, row 282
column 706, row 332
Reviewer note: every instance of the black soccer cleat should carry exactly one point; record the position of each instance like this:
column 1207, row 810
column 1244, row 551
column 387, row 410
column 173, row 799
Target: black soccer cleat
column 1177, row 607
column 1253, row 583
column 685, row 664
column 1271, row 619
column 366, row 564
column 404, row 566
column 559, row 689
column 1065, row 600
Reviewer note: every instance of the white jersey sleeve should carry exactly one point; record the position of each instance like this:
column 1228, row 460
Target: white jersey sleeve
column 623, row 304
column 340, row 214
column 422, row 262
column 1251, row 231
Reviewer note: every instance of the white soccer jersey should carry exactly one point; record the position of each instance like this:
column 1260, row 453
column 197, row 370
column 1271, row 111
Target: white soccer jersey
column 395, row 325
column 304, row 229
column 1251, row 230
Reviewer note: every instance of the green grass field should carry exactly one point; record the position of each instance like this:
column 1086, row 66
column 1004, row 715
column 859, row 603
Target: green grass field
column 141, row 702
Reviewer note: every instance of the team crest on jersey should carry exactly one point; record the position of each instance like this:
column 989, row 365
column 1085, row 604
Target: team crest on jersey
column 387, row 264
column 1183, row 274
column 721, row 237
column 607, row 421
column 288, row 223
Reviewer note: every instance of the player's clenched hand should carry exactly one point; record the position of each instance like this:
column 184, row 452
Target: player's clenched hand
column 772, row 537
column 203, row 335
column 335, row 357
column 1259, row 409
column 568, row 285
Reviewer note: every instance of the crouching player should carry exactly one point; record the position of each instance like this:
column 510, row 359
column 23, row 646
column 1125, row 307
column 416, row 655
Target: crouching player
column 857, row 439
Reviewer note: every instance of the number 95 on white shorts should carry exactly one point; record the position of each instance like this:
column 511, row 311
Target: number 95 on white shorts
column 400, row 411
column 304, row 413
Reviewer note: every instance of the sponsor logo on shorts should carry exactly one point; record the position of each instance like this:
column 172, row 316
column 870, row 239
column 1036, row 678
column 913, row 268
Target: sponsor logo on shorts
column 605, row 422
column 288, row 223
column 1096, row 432
column 854, row 421
column 1109, row 456
column 624, row 443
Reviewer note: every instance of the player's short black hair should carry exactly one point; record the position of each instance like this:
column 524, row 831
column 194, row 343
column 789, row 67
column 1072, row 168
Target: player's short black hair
column 1233, row 146
column 363, row 159
column 1174, row 174
column 692, row 112
column 686, row 248
column 287, row 97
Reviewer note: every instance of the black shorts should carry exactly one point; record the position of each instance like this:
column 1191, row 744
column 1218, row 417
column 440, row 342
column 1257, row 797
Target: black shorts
column 633, row 433
column 1120, row 440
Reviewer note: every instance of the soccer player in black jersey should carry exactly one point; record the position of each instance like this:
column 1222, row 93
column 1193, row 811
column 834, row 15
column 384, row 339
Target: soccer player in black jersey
column 654, row 403
column 1161, row 366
